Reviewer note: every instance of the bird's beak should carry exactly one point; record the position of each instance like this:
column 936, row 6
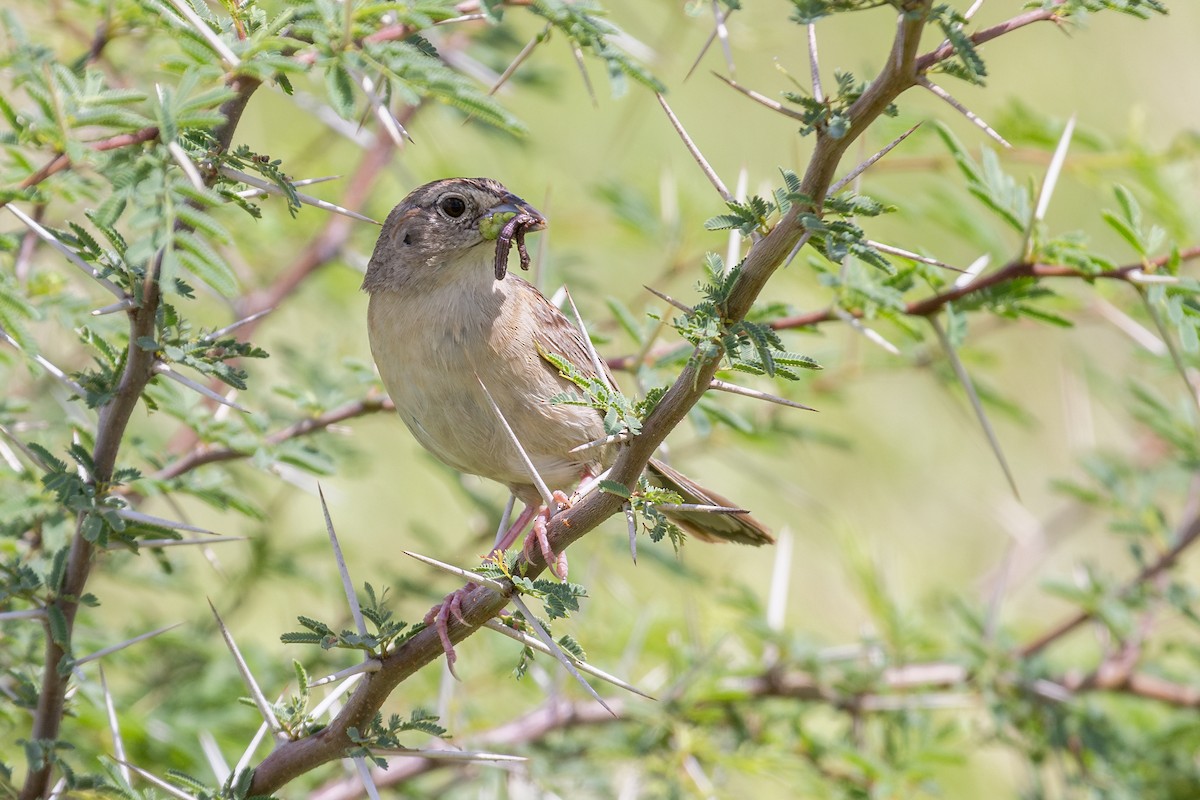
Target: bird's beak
column 495, row 219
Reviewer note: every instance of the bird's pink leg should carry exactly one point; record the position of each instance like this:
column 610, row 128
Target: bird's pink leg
column 537, row 534
column 439, row 617
column 514, row 530
column 451, row 606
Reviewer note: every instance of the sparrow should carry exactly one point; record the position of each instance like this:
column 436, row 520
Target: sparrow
column 447, row 321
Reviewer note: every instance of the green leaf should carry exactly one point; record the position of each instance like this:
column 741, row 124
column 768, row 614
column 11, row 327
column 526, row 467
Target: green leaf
column 340, row 88
column 613, row 487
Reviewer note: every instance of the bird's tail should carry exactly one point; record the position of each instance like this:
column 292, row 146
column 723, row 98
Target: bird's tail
column 731, row 526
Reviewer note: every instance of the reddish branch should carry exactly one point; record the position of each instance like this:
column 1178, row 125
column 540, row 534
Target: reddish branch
column 110, row 433
column 1187, row 537
column 203, row 454
column 61, row 161
column 899, row 687
column 1010, row 272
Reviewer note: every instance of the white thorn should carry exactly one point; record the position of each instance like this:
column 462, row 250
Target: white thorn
column 557, row 652
column 26, row 613
column 613, row 439
column 966, row 112
column 733, row 388
column 52, row 240
column 631, row 523
column 167, row 372
column 908, row 255
column 231, row 60
column 115, row 727
column 114, row 308
column 255, row 741
column 458, row 572
column 504, row 519
column 537, row 644
column 447, row 754
column 366, row 667
column 122, row 645
column 814, row 66
column 47, row 365
column 185, row 163
column 230, row 328
column 212, row 753
column 972, row 272
column 158, row 522
column 160, row 783
column 331, row 700
column 781, row 574
column 260, row 700
column 1054, row 170
column 597, row 362
column 156, row 543
column 343, row 570
column 663, row 296
column 543, row 490
column 271, row 188
column 705, row 508
column 364, row 775
column 712, row 176
column 861, row 168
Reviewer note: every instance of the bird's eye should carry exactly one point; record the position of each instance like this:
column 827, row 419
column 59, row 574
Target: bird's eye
column 453, row 206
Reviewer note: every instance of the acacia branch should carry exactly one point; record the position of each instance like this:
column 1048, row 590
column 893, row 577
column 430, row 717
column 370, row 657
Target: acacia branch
column 1188, row 536
column 946, row 50
column 202, row 455
column 1006, row 274
column 110, row 432
column 61, row 161
column 292, row 759
column 897, row 688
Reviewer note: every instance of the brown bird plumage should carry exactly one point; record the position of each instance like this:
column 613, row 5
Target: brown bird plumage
column 444, row 315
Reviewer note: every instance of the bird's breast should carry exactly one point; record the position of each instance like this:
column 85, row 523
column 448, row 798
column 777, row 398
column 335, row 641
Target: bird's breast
column 433, row 349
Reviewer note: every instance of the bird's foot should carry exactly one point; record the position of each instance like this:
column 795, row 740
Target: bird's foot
column 557, row 562
column 439, row 617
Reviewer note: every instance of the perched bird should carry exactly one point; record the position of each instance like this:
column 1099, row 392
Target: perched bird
column 446, row 319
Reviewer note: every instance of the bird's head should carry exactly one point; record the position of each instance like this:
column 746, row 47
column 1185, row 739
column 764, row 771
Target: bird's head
column 444, row 224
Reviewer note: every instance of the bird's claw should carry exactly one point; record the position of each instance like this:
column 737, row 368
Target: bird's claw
column 556, row 562
column 439, row 617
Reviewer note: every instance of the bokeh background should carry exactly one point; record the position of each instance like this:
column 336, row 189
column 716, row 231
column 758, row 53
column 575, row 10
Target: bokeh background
column 893, row 477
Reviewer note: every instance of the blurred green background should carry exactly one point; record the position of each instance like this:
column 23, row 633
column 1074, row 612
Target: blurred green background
column 893, row 472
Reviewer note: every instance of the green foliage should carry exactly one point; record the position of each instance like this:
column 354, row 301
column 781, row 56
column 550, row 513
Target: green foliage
column 621, row 415
column 580, row 22
column 745, row 345
column 379, row 735
column 966, row 64
column 389, row 632
column 654, row 523
column 120, row 138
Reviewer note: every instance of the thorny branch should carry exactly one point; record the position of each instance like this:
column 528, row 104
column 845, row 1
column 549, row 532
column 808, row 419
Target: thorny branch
column 201, row 455
column 899, row 688
column 294, row 758
column 900, row 73
column 110, row 432
column 1010, row 272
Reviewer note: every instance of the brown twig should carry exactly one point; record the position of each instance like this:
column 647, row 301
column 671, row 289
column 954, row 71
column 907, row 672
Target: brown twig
column 62, row 161
column 898, row 688
column 110, row 432
column 1010, row 272
column 202, row 455
column 292, row 759
column 1187, row 537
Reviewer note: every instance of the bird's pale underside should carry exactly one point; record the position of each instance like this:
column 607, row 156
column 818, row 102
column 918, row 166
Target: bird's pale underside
column 445, row 316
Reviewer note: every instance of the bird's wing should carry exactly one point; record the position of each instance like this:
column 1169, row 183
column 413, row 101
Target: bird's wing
column 553, row 333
